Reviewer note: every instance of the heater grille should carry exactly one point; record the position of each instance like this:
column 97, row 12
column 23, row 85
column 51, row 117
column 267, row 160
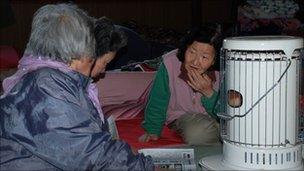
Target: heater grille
column 266, row 83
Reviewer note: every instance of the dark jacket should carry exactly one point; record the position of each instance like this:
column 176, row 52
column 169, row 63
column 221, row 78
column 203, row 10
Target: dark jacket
column 47, row 122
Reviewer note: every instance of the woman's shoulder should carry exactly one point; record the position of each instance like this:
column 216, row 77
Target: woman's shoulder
column 49, row 75
column 54, row 72
column 44, row 71
column 171, row 54
column 170, row 58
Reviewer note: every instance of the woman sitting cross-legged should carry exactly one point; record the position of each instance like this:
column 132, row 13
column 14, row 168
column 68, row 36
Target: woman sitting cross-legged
column 185, row 91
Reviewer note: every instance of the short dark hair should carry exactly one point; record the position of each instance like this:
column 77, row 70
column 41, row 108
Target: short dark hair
column 204, row 34
column 108, row 37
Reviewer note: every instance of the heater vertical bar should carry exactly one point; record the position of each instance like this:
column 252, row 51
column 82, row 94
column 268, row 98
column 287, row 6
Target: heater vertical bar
column 273, row 71
column 266, row 63
column 246, row 62
column 228, row 78
column 280, row 106
column 225, row 75
column 252, row 102
column 286, row 92
column 220, row 91
column 298, row 95
column 240, row 55
column 301, row 91
column 234, row 122
column 259, row 91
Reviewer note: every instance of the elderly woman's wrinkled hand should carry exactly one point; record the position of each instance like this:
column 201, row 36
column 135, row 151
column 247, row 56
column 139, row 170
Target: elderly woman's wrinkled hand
column 148, row 137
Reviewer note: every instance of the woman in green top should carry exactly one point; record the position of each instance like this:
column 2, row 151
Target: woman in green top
column 185, row 90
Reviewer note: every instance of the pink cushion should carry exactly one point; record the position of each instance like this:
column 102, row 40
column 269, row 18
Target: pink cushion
column 9, row 57
column 121, row 87
column 123, row 95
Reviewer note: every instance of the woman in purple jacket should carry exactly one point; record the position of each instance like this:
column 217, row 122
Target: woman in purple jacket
column 50, row 117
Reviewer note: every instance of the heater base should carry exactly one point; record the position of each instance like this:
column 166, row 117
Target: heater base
column 216, row 163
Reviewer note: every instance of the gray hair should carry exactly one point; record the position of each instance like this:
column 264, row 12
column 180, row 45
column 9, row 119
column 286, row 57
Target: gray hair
column 61, row 32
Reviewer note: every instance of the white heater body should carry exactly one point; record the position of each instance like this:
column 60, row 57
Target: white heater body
column 261, row 133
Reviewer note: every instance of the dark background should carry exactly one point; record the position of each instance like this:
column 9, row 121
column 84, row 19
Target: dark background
column 153, row 26
column 16, row 15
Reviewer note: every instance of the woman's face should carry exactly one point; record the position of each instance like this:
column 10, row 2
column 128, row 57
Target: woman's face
column 101, row 63
column 199, row 56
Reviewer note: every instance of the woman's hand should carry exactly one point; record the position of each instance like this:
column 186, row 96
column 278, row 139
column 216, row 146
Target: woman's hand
column 201, row 83
column 134, row 150
column 148, row 137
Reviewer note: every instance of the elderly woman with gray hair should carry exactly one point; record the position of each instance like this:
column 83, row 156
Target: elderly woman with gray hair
column 50, row 116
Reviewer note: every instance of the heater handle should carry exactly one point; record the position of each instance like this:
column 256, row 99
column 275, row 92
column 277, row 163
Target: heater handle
column 229, row 117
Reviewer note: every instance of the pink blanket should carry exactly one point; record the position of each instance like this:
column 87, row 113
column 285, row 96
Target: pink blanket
column 124, row 94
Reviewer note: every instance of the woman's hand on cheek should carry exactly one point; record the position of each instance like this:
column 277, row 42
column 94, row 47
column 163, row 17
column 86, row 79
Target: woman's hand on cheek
column 201, row 83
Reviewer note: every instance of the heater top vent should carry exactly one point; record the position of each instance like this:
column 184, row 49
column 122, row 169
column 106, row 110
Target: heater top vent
column 287, row 44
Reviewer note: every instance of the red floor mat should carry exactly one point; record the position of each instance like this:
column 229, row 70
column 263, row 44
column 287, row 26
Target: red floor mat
column 130, row 130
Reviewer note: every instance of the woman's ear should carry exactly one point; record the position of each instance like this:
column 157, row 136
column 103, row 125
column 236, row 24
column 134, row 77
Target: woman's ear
column 83, row 65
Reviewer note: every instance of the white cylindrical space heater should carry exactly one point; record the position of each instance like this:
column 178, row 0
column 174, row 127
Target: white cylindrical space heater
column 259, row 99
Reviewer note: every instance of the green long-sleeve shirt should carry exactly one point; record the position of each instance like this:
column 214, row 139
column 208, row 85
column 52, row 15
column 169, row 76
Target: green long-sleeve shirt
column 156, row 110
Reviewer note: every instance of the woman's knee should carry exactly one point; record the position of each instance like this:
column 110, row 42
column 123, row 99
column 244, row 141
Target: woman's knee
column 201, row 131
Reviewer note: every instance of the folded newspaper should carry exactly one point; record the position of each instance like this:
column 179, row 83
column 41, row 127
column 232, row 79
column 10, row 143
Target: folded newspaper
column 179, row 159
